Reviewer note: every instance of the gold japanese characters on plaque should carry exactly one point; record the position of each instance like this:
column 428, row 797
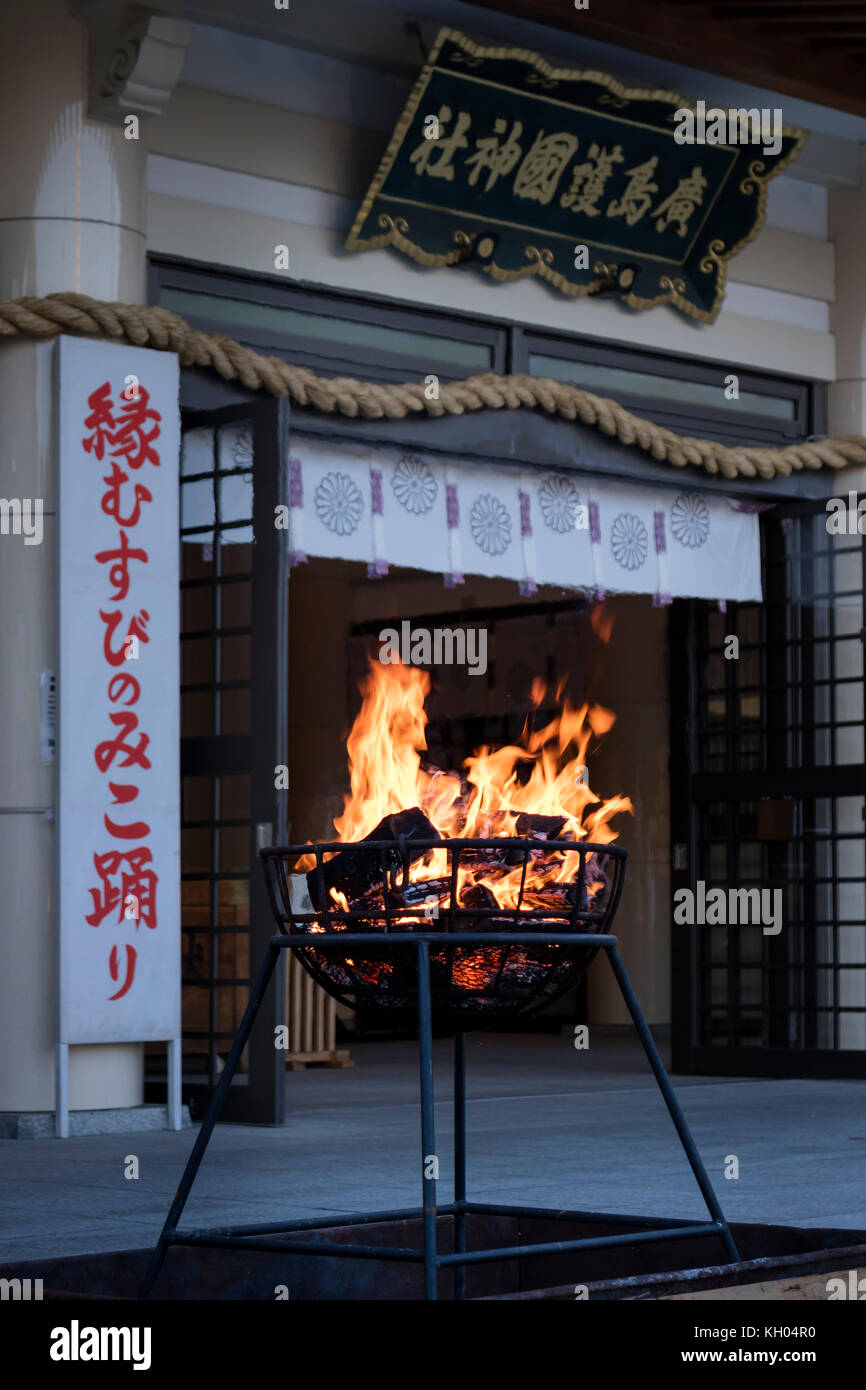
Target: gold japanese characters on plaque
column 501, row 162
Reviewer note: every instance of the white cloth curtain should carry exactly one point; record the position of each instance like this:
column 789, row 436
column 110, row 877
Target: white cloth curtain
column 399, row 507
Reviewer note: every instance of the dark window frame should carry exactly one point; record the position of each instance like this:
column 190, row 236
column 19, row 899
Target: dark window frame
column 730, row 426
column 510, row 348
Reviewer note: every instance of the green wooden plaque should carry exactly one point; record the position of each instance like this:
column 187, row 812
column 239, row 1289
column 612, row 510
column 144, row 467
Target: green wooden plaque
column 502, row 162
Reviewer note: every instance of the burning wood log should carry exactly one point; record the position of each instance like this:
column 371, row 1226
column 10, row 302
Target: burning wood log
column 538, row 827
column 354, row 871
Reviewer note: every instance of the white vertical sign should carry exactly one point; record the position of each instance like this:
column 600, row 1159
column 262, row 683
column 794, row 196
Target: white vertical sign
column 118, row 694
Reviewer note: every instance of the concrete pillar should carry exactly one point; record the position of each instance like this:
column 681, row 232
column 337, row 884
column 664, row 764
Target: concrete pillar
column 71, row 218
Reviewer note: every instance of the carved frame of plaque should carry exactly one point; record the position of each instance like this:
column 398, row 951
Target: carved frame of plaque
column 384, row 217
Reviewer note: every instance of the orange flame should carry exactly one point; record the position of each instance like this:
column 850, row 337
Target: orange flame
column 601, row 622
column 545, row 774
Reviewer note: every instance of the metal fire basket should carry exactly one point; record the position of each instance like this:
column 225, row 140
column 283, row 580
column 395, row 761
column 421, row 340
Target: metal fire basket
column 470, row 985
column 466, row 964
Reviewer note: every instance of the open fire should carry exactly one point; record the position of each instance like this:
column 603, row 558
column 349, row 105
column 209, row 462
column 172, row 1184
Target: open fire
column 516, row 839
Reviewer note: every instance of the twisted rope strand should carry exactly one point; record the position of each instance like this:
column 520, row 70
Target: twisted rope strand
column 151, row 326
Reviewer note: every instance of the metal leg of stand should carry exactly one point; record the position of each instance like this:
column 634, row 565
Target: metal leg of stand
column 213, row 1113
column 428, row 1134
column 459, row 1159
column 673, row 1105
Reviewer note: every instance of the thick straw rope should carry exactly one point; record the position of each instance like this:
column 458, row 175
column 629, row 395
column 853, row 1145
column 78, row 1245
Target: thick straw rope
column 147, row 326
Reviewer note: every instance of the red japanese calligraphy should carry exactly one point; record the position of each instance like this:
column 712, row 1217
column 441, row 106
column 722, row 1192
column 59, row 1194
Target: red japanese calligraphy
column 134, row 896
column 100, row 421
column 123, row 684
column 137, row 628
column 123, row 793
column 111, row 499
column 127, row 880
column 131, row 956
column 105, row 753
column 133, row 440
column 128, row 432
column 118, row 575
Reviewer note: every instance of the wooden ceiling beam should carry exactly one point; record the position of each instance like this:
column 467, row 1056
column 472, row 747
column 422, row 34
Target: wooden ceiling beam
column 704, row 40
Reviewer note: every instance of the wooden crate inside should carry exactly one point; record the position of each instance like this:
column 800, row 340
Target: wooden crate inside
column 311, row 1014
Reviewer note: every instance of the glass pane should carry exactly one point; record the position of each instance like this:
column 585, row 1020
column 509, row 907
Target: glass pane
column 849, row 745
column 195, row 1001
column 196, row 452
column 197, row 795
column 263, row 323
column 718, row 862
column 196, row 660
column 751, row 944
column 822, row 707
column 715, row 706
column 848, row 571
column 750, row 986
column 234, row 795
column 234, row 848
column 851, row 858
column 623, row 380
column 196, row 713
column 197, row 606
column 233, row 898
column 196, row 956
column 235, row 658
column 718, row 986
column 849, row 814
column 195, row 903
column 233, row 955
column 851, row 904
column 848, row 619
column 196, row 504
column 852, row 945
column 849, row 701
column 823, row 750
column 749, row 624
column 231, row 1002
column 748, row 668
column 234, row 716
column 235, row 604
column 715, row 677
column 848, row 655
column 236, row 556
column 236, row 502
column 235, row 446
column 197, row 557
column 195, row 850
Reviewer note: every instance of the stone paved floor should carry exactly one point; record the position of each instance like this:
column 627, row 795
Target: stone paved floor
column 548, row 1126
